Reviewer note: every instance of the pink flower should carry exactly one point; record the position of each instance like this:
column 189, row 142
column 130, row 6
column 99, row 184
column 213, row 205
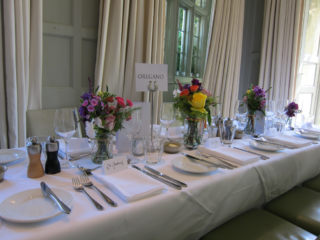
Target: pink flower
column 129, row 118
column 91, row 108
column 111, row 108
column 96, row 97
column 120, row 102
column 110, row 123
column 129, row 103
column 262, row 103
column 85, row 103
column 206, row 92
column 94, row 102
column 88, row 117
column 245, row 99
column 102, row 104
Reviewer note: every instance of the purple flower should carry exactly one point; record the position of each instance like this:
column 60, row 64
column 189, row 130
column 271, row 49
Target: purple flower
column 186, row 86
column 86, row 96
column 88, row 117
column 82, row 111
column 91, row 108
column 259, row 92
column 85, row 103
column 94, row 102
column 195, row 82
column 291, row 109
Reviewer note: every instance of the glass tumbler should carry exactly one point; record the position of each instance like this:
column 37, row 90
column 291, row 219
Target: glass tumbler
column 227, row 132
column 153, row 149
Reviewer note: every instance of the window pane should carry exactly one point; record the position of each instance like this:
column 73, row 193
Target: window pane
column 182, row 19
column 181, row 36
column 195, row 46
column 309, row 72
column 178, row 63
column 198, row 2
column 196, row 26
column 313, row 28
column 305, row 103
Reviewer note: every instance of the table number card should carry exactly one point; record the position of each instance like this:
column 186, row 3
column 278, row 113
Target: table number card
column 272, row 132
column 213, row 143
column 151, row 72
column 307, row 125
column 114, row 165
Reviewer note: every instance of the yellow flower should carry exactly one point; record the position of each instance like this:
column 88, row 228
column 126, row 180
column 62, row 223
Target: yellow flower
column 99, row 93
column 198, row 102
column 248, row 91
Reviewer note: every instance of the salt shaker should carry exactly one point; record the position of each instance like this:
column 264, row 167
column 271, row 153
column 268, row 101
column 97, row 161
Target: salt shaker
column 52, row 165
column 35, row 168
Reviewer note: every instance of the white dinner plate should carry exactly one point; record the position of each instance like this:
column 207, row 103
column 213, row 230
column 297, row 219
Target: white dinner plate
column 32, row 206
column 185, row 164
column 10, row 155
column 307, row 135
column 266, row 146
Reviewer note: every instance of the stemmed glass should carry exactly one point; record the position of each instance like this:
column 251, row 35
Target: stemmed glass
column 281, row 105
column 241, row 110
column 132, row 128
column 167, row 116
column 270, row 109
column 65, row 125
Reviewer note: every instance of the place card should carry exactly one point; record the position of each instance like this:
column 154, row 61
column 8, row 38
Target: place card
column 213, row 143
column 114, row 165
column 307, row 125
column 78, row 143
column 272, row 132
column 151, row 72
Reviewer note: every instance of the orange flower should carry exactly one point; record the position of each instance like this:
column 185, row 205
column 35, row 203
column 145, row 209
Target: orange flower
column 184, row 93
column 194, row 88
column 109, row 99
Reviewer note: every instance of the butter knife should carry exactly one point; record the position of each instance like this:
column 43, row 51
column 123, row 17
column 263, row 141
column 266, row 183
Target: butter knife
column 199, row 159
column 254, row 153
column 47, row 192
column 173, row 185
column 166, row 176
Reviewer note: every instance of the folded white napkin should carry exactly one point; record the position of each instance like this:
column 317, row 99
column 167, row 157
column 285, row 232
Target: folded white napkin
column 132, row 185
column 76, row 149
column 289, row 140
column 314, row 129
column 230, row 154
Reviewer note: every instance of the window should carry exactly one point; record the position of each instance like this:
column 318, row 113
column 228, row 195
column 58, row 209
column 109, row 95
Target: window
column 186, row 33
column 307, row 87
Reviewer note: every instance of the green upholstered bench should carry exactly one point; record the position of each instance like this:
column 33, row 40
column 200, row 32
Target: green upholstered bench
column 300, row 206
column 313, row 183
column 258, row 224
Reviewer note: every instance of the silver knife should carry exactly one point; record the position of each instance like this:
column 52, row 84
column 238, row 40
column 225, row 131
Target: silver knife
column 199, row 159
column 254, row 153
column 276, row 143
column 173, row 185
column 165, row 176
column 47, row 192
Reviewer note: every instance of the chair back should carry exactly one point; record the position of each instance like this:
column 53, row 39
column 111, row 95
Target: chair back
column 41, row 122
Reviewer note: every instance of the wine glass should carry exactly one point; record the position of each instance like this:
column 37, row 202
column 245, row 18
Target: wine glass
column 241, row 110
column 65, row 125
column 281, row 105
column 132, row 128
column 270, row 110
column 167, row 116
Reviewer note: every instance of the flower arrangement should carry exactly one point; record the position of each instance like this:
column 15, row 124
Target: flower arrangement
column 193, row 100
column 291, row 109
column 255, row 98
column 103, row 112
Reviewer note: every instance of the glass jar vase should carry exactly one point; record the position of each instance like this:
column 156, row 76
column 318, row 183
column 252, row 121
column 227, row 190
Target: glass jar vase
column 250, row 126
column 104, row 151
column 193, row 132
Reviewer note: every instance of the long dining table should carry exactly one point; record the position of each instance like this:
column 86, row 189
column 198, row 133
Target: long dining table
column 210, row 199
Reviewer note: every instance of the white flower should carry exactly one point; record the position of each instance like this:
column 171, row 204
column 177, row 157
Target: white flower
column 98, row 122
column 89, row 130
column 176, row 92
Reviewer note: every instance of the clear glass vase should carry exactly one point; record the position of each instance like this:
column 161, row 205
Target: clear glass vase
column 193, row 132
column 250, row 126
column 104, row 146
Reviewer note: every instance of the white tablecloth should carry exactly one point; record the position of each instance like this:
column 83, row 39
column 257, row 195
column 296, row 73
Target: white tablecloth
column 209, row 200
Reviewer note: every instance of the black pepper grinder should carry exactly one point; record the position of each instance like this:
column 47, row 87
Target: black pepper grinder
column 52, row 164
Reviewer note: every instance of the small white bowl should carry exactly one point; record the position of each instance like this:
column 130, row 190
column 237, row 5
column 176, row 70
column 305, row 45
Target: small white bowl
column 3, row 169
column 171, row 147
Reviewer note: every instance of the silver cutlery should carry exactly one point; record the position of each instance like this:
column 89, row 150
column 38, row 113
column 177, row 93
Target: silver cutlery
column 87, row 170
column 263, row 157
column 308, row 131
column 87, row 183
column 78, row 187
column 165, row 176
column 263, row 140
column 75, row 158
column 171, row 184
column 192, row 158
column 221, row 160
column 47, row 192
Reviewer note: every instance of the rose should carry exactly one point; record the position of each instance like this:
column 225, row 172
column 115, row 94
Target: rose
column 198, row 102
column 194, row 88
column 89, row 130
column 206, row 92
column 184, row 93
column 120, row 102
column 130, row 104
column 110, row 123
column 94, row 102
column 129, row 118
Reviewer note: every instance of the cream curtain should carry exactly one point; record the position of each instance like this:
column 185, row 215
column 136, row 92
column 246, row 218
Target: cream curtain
column 222, row 71
column 279, row 50
column 130, row 31
column 21, row 67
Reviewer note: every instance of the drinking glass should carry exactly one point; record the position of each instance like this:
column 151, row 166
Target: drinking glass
column 241, row 110
column 270, row 109
column 215, row 115
column 65, row 125
column 132, row 128
column 281, row 105
column 167, row 116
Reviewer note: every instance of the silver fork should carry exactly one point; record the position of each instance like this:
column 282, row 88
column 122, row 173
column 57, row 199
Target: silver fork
column 78, row 187
column 87, row 183
column 222, row 160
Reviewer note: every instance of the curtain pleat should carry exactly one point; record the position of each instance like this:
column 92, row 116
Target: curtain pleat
column 129, row 32
column 279, row 47
column 22, row 61
column 222, row 71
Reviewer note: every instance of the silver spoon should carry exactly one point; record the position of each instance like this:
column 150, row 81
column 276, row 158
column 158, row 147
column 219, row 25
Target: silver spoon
column 87, row 170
